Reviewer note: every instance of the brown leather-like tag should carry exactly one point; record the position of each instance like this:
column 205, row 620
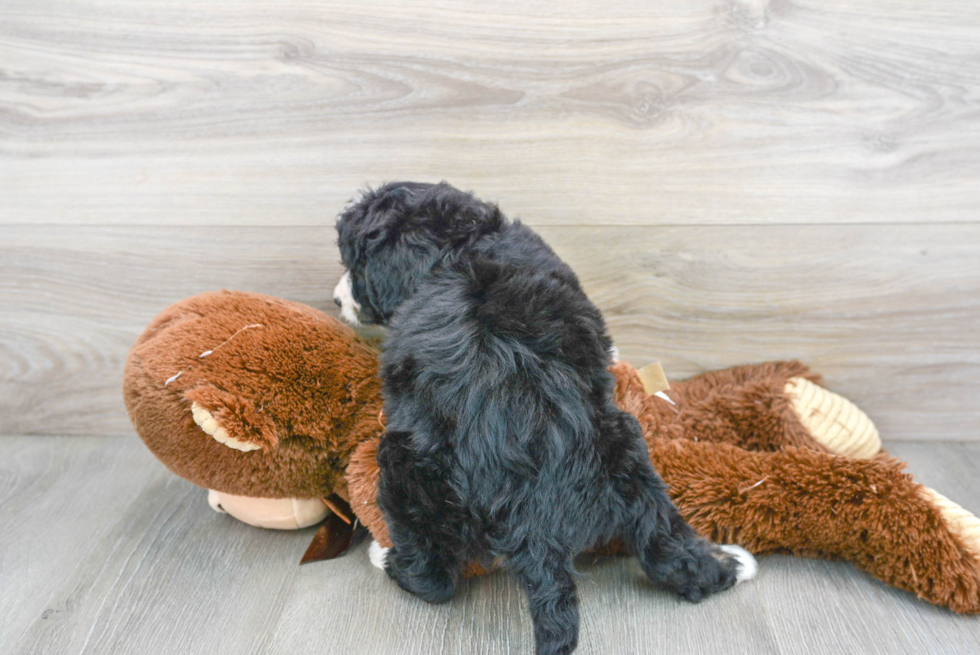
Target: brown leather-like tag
column 338, row 506
column 335, row 534
column 332, row 539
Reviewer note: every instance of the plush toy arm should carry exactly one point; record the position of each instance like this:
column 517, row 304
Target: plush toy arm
column 757, row 407
column 362, row 487
column 814, row 504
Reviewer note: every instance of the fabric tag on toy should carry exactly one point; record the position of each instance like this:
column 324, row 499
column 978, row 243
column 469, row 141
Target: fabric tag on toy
column 653, row 378
column 655, row 381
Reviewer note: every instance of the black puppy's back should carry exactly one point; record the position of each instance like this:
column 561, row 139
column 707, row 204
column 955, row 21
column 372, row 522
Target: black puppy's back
column 501, row 370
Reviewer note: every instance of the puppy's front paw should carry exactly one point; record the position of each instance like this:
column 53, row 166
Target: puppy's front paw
column 379, row 554
column 748, row 568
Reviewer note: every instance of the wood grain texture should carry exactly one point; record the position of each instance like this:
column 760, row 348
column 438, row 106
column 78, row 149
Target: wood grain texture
column 886, row 313
column 634, row 113
column 75, row 299
column 103, row 551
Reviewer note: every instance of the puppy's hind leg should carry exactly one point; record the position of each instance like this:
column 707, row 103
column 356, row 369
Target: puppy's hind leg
column 418, row 570
column 675, row 557
column 552, row 598
column 670, row 552
column 416, row 500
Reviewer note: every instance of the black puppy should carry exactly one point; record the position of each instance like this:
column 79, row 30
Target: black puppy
column 503, row 439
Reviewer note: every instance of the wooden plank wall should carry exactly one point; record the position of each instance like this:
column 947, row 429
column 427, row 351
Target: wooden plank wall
column 733, row 181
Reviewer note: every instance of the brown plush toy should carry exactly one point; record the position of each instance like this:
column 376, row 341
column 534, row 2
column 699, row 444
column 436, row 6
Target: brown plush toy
column 276, row 408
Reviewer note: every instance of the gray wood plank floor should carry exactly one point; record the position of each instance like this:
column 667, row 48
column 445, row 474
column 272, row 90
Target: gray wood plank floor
column 103, row 551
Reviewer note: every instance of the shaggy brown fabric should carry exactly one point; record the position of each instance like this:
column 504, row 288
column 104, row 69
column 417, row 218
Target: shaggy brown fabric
column 750, row 474
column 812, row 504
column 745, row 406
column 301, row 386
column 362, row 482
column 739, row 464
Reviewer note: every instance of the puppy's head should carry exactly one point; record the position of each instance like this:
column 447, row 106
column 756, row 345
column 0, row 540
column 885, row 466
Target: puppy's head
column 391, row 237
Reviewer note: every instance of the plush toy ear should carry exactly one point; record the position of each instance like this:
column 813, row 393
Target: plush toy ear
column 231, row 419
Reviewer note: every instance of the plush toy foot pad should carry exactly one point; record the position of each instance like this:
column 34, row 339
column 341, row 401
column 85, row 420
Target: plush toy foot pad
column 960, row 522
column 832, row 420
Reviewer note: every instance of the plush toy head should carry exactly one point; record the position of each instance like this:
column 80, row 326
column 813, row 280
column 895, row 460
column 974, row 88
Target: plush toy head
column 255, row 397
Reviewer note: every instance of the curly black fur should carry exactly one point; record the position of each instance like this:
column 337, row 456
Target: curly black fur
column 503, row 439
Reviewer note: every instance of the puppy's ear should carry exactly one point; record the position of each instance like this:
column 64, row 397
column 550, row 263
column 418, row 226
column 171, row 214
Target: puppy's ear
column 474, row 220
column 457, row 218
column 391, row 278
column 360, row 228
column 376, row 237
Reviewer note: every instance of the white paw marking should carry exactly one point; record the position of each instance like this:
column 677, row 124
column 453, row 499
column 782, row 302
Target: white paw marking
column 349, row 307
column 748, row 567
column 378, row 555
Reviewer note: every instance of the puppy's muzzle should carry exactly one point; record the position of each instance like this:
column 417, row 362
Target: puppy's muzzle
column 343, row 296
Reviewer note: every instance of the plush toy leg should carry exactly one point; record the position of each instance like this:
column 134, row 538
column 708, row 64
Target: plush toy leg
column 757, row 407
column 961, row 522
column 362, row 486
column 815, row 504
